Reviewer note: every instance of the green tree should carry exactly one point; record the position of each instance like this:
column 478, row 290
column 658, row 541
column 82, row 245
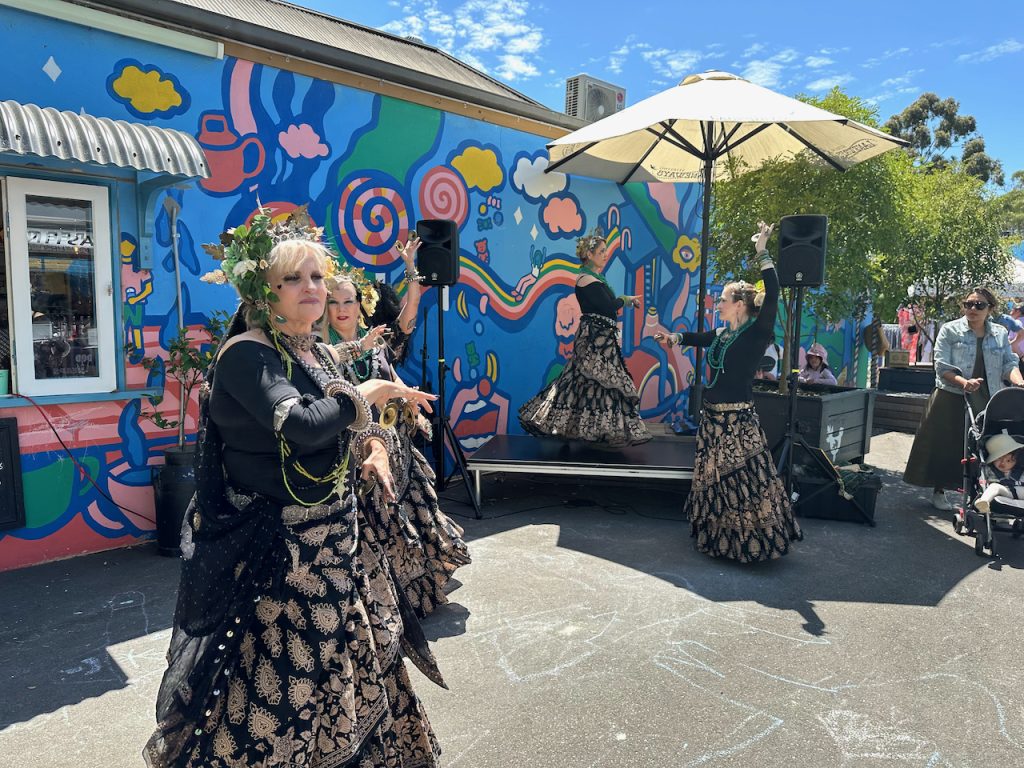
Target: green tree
column 1008, row 211
column 952, row 242
column 936, row 130
column 865, row 207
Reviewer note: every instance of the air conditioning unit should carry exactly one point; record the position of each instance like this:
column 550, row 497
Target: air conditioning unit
column 591, row 99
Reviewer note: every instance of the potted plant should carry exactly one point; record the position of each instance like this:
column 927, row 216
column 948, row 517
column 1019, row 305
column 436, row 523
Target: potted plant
column 189, row 357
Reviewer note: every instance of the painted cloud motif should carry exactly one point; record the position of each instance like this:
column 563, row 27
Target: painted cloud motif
column 147, row 91
column 302, row 141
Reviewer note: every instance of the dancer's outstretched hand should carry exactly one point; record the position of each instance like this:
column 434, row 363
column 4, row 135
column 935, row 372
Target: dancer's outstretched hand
column 379, row 391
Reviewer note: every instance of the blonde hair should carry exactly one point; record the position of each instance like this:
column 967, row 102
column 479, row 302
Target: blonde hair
column 588, row 243
column 286, row 257
column 747, row 293
column 332, row 285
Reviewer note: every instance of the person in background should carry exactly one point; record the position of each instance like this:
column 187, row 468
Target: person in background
column 816, row 370
column 593, row 398
column 424, row 545
column 973, row 359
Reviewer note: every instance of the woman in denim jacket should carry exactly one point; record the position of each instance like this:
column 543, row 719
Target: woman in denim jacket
column 972, row 356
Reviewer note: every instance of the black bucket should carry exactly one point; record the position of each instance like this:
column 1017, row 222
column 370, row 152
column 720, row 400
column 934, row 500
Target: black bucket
column 174, row 486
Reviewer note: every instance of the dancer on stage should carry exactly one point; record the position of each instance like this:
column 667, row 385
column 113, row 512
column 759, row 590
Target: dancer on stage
column 424, row 545
column 286, row 637
column 593, row 398
column 737, row 504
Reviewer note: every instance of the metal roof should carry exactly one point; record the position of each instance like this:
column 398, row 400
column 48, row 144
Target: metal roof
column 45, row 131
column 354, row 38
column 280, row 27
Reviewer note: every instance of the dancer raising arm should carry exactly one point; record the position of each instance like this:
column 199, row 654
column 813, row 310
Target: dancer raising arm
column 737, row 504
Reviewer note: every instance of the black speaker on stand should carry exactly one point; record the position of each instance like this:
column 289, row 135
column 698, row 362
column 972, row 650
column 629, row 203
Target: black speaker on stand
column 802, row 246
column 437, row 261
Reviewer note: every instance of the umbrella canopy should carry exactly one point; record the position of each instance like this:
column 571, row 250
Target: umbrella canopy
column 679, row 134
column 671, row 136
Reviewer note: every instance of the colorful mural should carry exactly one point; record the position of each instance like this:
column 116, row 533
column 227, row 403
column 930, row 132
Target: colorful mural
column 369, row 166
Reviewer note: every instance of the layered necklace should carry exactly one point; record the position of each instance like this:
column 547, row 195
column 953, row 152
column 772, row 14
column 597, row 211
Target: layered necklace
column 362, row 367
column 335, row 475
column 720, row 346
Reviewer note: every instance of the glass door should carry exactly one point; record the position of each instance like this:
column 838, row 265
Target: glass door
column 60, row 253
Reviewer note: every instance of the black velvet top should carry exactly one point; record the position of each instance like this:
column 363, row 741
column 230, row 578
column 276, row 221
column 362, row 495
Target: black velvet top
column 734, row 382
column 597, row 298
column 250, row 381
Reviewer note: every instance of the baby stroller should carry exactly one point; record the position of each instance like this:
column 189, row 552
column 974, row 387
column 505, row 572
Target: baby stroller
column 1003, row 414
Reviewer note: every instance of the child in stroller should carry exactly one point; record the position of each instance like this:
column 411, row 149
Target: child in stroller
column 991, row 497
column 1005, row 459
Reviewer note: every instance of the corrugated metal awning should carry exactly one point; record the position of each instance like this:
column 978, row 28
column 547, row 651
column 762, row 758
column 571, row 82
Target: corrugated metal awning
column 31, row 130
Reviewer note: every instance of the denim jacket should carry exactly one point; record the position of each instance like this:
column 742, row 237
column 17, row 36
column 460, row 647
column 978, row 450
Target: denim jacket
column 956, row 347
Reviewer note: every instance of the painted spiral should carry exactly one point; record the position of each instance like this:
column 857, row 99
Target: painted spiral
column 372, row 216
column 443, row 195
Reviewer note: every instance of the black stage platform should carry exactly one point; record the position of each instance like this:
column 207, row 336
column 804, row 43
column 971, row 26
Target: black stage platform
column 667, row 457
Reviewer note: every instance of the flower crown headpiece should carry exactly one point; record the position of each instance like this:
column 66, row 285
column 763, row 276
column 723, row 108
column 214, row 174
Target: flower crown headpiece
column 369, row 296
column 244, row 254
column 587, row 243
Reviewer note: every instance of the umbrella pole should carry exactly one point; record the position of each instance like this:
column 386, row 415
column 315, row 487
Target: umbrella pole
column 697, row 394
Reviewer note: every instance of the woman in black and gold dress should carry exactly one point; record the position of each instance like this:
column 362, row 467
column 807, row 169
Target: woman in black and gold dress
column 287, row 634
column 594, row 398
column 424, row 544
column 737, row 505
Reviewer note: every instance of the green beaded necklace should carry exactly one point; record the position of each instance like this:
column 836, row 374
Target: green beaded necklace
column 721, row 344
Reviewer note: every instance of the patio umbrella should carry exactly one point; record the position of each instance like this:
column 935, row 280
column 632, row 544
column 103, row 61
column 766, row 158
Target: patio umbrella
column 679, row 134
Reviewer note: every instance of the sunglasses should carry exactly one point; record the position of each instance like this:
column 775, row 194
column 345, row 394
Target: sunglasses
column 978, row 305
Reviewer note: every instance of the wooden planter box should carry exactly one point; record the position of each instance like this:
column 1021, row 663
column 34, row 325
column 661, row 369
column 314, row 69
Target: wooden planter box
column 836, row 419
column 899, row 413
column 918, row 379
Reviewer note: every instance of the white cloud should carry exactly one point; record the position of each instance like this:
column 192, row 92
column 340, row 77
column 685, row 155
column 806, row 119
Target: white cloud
column 495, row 35
column 767, row 72
column 828, row 83
column 753, row 50
column 992, row 52
column 890, row 54
column 815, row 62
column 672, row 64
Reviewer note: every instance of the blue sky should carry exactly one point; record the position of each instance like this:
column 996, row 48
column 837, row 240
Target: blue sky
column 886, row 52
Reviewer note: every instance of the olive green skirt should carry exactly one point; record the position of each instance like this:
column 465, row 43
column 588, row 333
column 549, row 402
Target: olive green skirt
column 938, row 448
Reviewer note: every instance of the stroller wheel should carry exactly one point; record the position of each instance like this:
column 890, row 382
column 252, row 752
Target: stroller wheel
column 958, row 523
column 992, row 546
column 979, row 544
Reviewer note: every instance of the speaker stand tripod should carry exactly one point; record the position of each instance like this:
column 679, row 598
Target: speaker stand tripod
column 793, row 439
column 441, row 425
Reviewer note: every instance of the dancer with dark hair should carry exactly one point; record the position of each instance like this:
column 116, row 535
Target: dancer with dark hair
column 285, row 648
column 973, row 358
column 425, row 545
column 594, row 398
column 737, row 505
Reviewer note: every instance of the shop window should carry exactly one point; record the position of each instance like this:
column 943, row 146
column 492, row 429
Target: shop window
column 59, row 255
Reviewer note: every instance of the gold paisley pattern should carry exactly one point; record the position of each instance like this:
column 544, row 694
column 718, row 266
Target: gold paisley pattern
column 321, row 681
column 594, row 397
column 424, row 545
column 737, row 505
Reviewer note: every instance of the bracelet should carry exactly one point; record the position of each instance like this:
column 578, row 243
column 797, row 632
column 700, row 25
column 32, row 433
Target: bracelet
column 336, row 387
column 346, row 350
column 412, row 275
column 363, row 436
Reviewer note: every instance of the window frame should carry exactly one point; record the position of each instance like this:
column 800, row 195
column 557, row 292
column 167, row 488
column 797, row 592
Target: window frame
column 23, row 378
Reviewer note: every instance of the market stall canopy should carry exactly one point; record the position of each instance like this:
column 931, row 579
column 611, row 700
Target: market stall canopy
column 27, row 129
column 669, row 136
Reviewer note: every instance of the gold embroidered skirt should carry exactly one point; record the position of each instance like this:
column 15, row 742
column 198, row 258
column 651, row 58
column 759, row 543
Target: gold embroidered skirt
column 737, row 505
